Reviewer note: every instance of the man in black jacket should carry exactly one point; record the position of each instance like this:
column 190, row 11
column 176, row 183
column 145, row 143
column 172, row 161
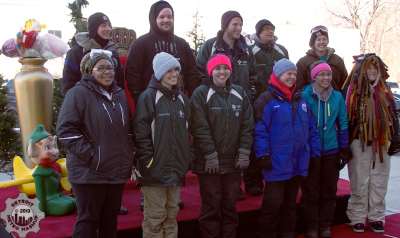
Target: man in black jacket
column 161, row 38
column 230, row 42
column 266, row 52
column 98, row 37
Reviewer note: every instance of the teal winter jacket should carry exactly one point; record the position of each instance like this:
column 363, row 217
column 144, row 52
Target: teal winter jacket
column 331, row 117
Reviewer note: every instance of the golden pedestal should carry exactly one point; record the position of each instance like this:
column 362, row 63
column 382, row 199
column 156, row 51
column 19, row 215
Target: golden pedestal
column 34, row 94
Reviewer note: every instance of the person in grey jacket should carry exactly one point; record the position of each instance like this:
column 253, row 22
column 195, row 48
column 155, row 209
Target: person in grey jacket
column 93, row 126
column 162, row 146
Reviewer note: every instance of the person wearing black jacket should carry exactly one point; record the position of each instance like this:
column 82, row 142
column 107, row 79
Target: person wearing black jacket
column 230, row 42
column 222, row 125
column 98, row 37
column 161, row 38
column 93, row 126
column 163, row 150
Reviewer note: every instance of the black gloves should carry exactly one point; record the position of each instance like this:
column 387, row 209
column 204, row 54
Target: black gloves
column 264, row 163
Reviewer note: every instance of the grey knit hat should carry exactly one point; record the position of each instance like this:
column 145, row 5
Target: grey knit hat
column 282, row 66
column 162, row 63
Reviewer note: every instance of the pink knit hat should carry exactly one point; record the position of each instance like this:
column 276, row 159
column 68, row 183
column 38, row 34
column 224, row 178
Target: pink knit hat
column 217, row 60
column 319, row 68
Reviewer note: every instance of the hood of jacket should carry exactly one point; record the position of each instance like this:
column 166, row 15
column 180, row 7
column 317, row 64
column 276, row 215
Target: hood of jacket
column 156, row 84
column 90, row 83
column 154, row 11
column 87, row 43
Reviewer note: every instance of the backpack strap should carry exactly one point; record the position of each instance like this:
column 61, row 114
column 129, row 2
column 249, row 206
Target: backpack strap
column 260, row 103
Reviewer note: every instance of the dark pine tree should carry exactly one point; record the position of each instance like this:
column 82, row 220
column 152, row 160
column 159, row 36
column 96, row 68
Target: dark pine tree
column 80, row 23
column 10, row 142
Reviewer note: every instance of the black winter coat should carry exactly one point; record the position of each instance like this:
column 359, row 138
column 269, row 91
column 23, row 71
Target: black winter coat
column 163, row 151
column 222, row 122
column 94, row 127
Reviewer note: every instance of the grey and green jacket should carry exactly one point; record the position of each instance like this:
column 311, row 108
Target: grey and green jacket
column 243, row 71
column 265, row 56
column 163, row 152
column 221, row 125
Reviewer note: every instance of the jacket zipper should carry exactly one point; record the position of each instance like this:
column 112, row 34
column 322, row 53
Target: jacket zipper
column 109, row 116
column 122, row 114
column 99, row 158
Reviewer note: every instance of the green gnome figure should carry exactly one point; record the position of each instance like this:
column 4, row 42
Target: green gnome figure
column 43, row 151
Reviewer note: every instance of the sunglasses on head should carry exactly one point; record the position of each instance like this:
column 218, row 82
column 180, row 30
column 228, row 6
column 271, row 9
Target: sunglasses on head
column 95, row 52
column 318, row 29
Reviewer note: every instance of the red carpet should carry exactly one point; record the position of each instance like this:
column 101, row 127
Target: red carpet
column 62, row 226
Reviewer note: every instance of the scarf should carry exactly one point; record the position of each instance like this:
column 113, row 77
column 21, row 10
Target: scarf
column 287, row 92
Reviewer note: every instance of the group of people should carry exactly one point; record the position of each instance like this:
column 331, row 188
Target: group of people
column 233, row 111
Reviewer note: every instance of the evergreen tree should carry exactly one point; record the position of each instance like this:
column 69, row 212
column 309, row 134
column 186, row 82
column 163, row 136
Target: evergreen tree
column 10, row 142
column 80, row 23
column 57, row 102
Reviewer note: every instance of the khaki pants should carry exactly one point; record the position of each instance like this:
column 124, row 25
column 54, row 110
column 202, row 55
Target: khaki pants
column 368, row 185
column 160, row 211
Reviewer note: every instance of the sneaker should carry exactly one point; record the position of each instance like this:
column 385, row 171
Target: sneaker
column 325, row 232
column 377, row 226
column 311, row 234
column 359, row 227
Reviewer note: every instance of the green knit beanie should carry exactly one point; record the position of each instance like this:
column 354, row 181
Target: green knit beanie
column 38, row 134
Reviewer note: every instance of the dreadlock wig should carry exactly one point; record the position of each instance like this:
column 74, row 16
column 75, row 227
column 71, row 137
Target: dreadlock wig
column 370, row 105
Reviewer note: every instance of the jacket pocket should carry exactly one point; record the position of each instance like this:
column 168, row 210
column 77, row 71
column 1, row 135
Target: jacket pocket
column 96, row 159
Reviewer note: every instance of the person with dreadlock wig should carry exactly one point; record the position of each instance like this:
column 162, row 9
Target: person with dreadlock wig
column 374, row 137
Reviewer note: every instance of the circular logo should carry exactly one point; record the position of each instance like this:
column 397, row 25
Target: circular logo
column 22, row 215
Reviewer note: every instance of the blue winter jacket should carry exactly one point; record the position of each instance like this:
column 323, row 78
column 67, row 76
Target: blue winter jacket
column 331, row 118
column 286, row 131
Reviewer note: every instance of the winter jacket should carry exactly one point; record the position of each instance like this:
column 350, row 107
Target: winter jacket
column 285, row 131
column 72, row 73
column 243, row 71
column 163, row 151
column 93, row 126
column 265, row 57
column 339, row 72
column 222, row 122
column 139, row 67
column 331, row 118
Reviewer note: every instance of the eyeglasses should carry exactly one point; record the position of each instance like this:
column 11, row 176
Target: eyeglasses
column 103, row 69
column 319, row 28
